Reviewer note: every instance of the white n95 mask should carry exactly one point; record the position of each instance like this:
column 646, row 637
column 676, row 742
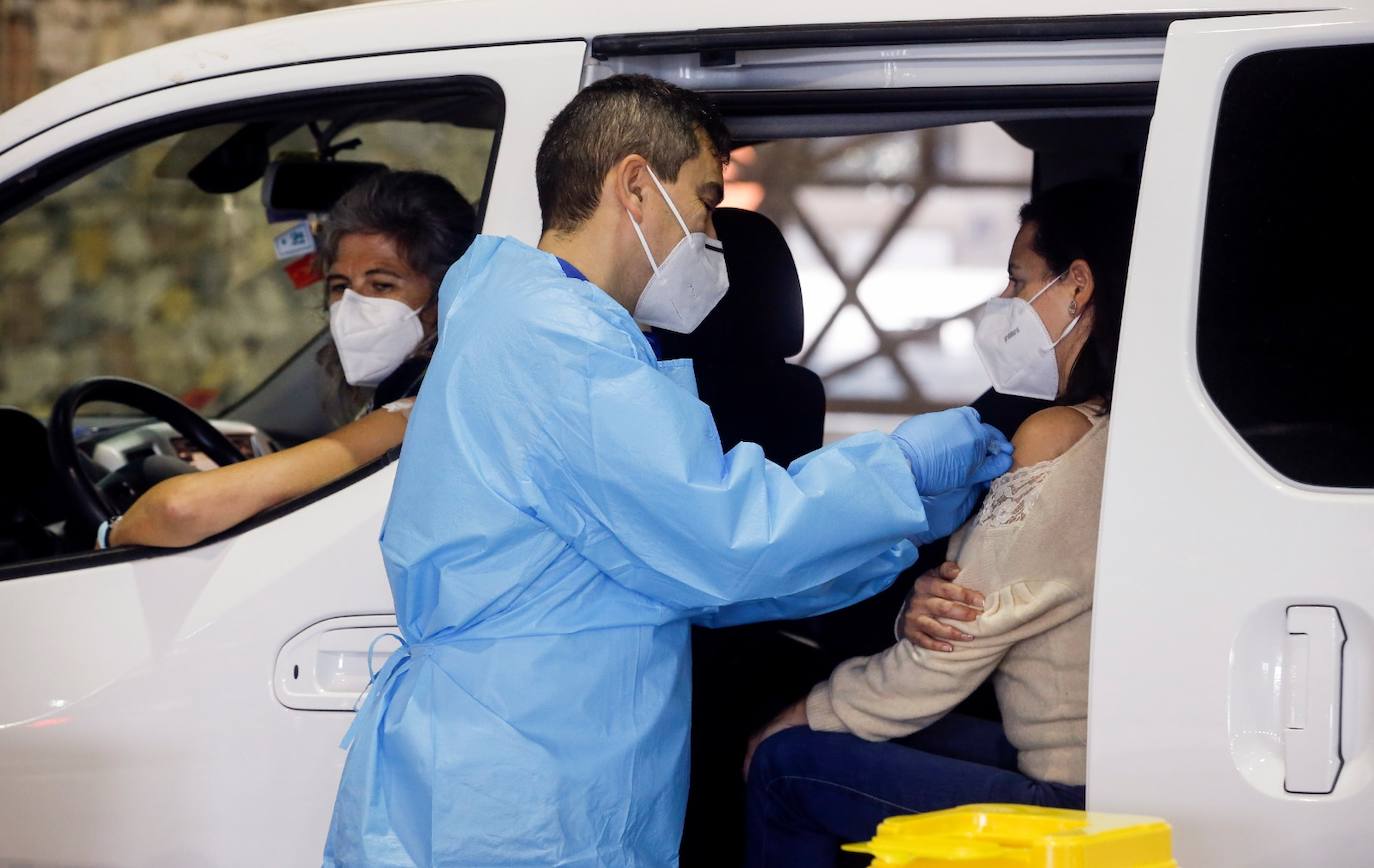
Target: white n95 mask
column 687, row 284
column 373, row 336
column 1016, row 349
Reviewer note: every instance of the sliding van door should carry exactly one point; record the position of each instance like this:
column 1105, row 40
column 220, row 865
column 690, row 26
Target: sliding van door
column 1233, row 634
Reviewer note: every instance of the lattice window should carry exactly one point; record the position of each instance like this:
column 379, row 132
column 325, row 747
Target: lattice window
column 908, row 186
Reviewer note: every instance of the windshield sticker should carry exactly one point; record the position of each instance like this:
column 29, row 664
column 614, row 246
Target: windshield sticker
column 296, row 241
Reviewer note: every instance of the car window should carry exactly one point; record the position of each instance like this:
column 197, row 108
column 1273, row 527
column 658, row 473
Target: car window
column 1285, row 300
column 899, row 238
column 134, row 270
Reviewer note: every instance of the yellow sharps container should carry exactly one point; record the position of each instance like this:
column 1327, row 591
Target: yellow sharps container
column 1019, row 836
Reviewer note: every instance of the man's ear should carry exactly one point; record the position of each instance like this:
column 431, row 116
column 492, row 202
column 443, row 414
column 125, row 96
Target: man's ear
column 627, row 182
column 1080, row 279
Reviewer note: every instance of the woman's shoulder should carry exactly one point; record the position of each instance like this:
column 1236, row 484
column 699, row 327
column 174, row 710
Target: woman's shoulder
column 1048, row 434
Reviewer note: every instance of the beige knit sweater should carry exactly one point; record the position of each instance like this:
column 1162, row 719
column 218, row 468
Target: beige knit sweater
column 1031, row 551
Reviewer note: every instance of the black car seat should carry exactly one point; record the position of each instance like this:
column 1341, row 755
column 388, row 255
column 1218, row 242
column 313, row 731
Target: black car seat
column 30, row 499
column 743, row 675
column 740, row 350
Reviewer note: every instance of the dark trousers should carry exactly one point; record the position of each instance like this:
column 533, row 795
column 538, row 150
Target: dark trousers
column 809, row 792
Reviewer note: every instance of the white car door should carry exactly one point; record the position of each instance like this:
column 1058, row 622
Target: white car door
column 1233, row 636
column 179, row 708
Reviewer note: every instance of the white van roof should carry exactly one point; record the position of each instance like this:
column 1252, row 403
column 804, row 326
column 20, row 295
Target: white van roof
column 409, row 25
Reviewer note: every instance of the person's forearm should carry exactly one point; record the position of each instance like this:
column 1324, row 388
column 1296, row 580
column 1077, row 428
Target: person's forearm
column 892, row 694
column 906, row 688
column 858, row 584
column 186, row 509
column 180, row 511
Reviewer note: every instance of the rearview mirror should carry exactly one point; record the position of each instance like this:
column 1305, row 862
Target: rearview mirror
column 292, row 189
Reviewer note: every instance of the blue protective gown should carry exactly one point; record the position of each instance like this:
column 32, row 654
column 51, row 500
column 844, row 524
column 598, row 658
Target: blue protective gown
column 562, row 514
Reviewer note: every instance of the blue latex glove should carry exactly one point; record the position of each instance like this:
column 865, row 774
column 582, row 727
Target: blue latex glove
column 946, row 512
column 952, row 449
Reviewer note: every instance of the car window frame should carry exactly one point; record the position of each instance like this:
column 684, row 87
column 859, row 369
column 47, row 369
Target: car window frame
column 58, row 170
column 65, row 167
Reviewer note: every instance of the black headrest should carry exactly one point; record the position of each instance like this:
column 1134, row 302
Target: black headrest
column 760, row 316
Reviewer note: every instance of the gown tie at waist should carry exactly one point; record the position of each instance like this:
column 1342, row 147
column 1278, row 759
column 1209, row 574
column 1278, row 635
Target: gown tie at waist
column 381, row 682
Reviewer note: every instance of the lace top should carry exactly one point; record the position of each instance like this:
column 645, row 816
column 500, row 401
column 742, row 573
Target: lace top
column 1013, row 495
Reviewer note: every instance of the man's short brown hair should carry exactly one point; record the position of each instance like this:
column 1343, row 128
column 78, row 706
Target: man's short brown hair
column 609, row 121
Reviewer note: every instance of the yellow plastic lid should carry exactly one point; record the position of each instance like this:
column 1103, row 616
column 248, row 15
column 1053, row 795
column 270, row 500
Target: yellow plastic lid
column 1019, row 836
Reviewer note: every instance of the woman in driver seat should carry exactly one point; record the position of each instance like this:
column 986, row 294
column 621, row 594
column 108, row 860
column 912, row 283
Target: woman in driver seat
column 386, row 246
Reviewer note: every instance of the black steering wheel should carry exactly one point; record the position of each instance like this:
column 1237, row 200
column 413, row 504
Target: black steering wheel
column 89, row 504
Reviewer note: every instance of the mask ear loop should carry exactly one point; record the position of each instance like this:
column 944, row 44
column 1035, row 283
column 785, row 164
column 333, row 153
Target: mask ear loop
column 1046, row 287
column 669, row 199
column 639, row 233
column 1073, row 322
column 431, row 340
column 1068, row 328
column 427, row 343
column 642, row 243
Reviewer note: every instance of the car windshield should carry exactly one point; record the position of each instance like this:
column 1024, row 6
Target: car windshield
column 145, row 268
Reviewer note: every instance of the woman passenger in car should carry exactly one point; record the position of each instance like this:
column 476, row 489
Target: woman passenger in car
column 386, row 247
column 830, row 767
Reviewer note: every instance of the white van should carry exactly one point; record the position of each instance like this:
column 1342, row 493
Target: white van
column 185, row 707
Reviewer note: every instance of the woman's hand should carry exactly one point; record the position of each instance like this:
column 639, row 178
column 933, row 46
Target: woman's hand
column 792, row 715
column 936, row 596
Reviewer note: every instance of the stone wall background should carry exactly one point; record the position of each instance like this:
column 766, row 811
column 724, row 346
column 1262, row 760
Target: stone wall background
column 132, row 271
column 124, row 273
column 43, row 42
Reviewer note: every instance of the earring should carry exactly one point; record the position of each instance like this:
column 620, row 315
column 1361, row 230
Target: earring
column 1073, row 307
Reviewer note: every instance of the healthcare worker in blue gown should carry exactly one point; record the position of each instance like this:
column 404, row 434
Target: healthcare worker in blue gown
column 563, row 512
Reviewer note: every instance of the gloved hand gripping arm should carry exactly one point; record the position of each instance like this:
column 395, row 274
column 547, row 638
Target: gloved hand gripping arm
column 953, row 456
column 952, row 449
column 953, row 442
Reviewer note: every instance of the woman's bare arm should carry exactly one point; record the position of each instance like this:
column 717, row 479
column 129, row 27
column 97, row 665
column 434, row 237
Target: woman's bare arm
column 184, row 510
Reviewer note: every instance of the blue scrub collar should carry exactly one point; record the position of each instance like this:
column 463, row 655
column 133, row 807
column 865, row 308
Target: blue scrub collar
column 570, row 270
